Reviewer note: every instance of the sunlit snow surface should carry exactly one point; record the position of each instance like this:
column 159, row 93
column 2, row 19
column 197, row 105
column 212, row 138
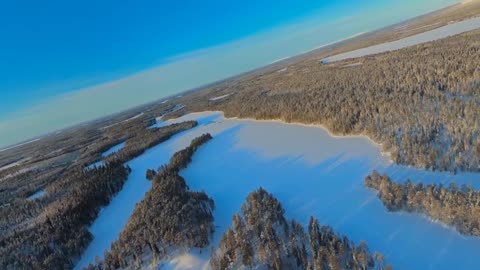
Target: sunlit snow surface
column 435, row 34
column 312, row 173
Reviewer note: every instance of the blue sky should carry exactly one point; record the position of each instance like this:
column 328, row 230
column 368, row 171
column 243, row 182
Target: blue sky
column 59, row 56
column 49, row 47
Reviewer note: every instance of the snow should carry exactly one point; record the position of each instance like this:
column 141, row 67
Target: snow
column 135, row 117
column 20, row 144
column 105, row 154
column 13, row 164
column 354, row 64
column 312, row 173
column 113, row 149
column 126, row 120
column 438, row 33
column 158, row 120
column 36, row 195
column 158, row 124
column 195, row 259
column 219, row 97
column 280, row 59
column 8, row 166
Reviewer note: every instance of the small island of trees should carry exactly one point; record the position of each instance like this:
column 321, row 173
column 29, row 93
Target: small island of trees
column 453, row 206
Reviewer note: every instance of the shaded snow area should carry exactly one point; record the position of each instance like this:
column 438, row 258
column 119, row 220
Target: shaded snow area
column 160, row 123
column 219, row 97
column 105, row 154
column 113, row 149
column 312, row 173
column 36, row 195
column 13, row 164
column 438, row 33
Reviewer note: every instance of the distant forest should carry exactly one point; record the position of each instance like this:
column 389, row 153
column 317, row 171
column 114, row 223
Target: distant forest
column 421, row 103
column 262, row 238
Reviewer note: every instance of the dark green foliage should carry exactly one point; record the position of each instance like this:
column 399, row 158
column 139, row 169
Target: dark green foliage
column 457, row 207
column 263, row 239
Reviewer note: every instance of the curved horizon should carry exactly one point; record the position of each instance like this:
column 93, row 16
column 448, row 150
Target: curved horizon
column 201, row 67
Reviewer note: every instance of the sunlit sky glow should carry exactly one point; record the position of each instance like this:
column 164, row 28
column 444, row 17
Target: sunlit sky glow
column 65, row 63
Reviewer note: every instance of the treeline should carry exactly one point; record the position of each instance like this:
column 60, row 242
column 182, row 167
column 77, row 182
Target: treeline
column 148, row 138
column 261, row 238
column 453, row 206
column 169, row 217
column 52, row 232
column 421, row 103
column 57, row 236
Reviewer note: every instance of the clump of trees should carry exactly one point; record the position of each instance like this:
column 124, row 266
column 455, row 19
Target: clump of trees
column 150, row 174
column 421, row 103
column 169, row 217
column 456, row 207
column 262, row 238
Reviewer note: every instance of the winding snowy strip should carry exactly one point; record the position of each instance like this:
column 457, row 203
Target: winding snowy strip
column 438, row 33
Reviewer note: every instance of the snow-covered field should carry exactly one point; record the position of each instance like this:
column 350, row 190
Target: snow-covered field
column 219, row 97
column 312, row 173
column 438, row 33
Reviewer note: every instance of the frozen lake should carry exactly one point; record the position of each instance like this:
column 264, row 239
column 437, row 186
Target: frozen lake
column 435, row 34
column 312, row 173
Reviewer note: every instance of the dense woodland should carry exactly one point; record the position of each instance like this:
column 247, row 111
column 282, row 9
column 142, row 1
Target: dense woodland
column 51, row 232
column 53, row 238
column 421, row 103
column 261, row 238
column 457, row 207
column 148, row 138
column 169, row 217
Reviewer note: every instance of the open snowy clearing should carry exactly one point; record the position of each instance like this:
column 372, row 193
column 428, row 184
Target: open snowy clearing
column 112, row 150
column 219, row 97
column 13, row 164
column 36, row 195
column 311, row 172
column 438, row 33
